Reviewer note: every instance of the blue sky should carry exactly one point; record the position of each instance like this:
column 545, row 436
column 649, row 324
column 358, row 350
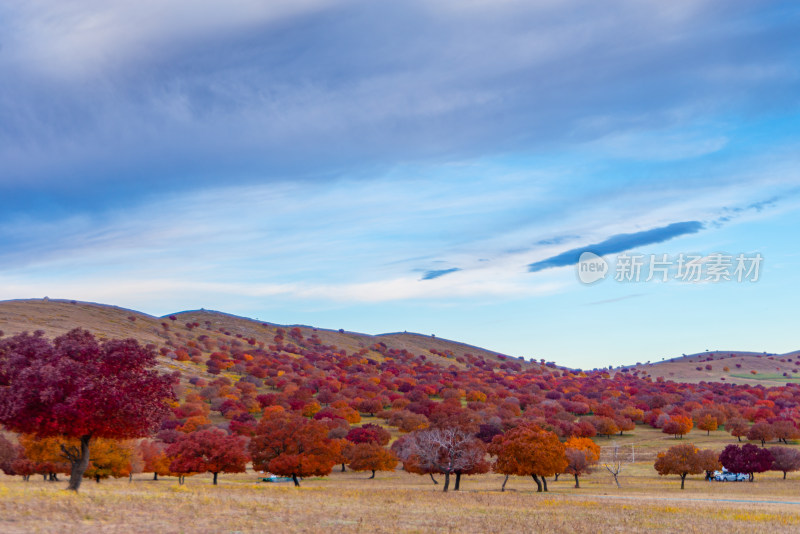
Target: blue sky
column 420, row 166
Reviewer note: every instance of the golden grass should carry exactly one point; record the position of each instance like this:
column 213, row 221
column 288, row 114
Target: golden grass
column 400, row 502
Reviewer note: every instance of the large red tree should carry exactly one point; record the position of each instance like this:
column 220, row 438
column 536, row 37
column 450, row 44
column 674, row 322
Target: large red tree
column 208, row 451
column 76, row 387
column 288, row 444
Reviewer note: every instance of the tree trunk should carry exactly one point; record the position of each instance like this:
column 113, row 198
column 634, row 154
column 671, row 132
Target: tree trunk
column 373, row 474
column 446, row 481
column 44, row 477
column 538, row 484
column 577, row 484
column 503, row 488
column 683, row 479
column 79, row 464
column 215, row 478
column 130, row 478
column 296, row 482
column 458, row 482
column 180, row 480
column 556, row 477
column 784, row 475
column 544, row 483
column 97, row 478
column 740, row 438
column 342, row 468
column 155, row 476
column 434, row 480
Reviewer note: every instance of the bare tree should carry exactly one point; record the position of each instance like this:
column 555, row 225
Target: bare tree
column 448, row 451
column 613, row 463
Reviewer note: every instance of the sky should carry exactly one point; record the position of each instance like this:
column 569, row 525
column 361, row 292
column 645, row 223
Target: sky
column 432, row 167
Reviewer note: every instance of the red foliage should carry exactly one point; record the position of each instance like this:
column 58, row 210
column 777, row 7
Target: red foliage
column 369, row 433
column 748, row 459
column 107, row 390
column 208, row 451
column 288, row 444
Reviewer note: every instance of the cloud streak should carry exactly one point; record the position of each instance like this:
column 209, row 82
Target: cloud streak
column 619, row 243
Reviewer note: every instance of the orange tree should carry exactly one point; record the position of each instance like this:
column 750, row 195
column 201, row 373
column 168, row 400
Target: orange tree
column 678, row 426
column 582, row 454
column 685, row 459
column 371, row 457
column 527, row 450
column 288, row 444
column 111, row 458
column 737, row 427
column 154, row 458
column 44, row 455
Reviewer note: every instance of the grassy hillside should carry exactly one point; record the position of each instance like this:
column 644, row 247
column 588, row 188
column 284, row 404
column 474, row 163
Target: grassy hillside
column 724, row 366
column 56, row 317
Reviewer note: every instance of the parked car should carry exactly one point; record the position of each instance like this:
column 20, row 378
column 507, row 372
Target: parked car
column 727, row 476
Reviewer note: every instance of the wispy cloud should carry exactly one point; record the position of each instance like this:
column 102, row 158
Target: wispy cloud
column 432, row 275
column 619, row 243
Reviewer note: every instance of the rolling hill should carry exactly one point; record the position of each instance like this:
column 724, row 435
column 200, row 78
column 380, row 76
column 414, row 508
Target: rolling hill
column 56, row 317
column 734, row 367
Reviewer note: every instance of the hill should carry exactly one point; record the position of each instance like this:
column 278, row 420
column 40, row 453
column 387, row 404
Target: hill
column 56, row 317
column 734, row 367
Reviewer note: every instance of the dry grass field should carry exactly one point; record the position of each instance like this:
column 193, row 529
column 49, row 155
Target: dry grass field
column 400, row 502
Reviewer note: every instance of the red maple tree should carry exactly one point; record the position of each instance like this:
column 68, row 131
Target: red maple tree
column 208, row 451
column 288, row 444
column 94, row 390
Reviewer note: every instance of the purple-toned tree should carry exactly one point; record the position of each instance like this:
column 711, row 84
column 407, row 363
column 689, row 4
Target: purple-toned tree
column 94, row 390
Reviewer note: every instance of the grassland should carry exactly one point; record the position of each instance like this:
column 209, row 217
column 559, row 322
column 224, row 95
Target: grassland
column 400, row 502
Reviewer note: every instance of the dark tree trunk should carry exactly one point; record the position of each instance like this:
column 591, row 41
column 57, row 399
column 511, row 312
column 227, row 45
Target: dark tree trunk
column 79, row 461
column 503, row 488
column 342, row 468
column 97, row 478
column 434, row 480
column 577, row 484
column 44, row 477
column 784, row 475
column 446, row 481
column 155, row 476
column 130, row 478
column 740, row 438
column 215, row 478
column 294, row 479
column 544, row 483
column 556, row 477
column 373, row 474
column 683, row 479
column 180, row 480
column 458, row 482
column 538, row 484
